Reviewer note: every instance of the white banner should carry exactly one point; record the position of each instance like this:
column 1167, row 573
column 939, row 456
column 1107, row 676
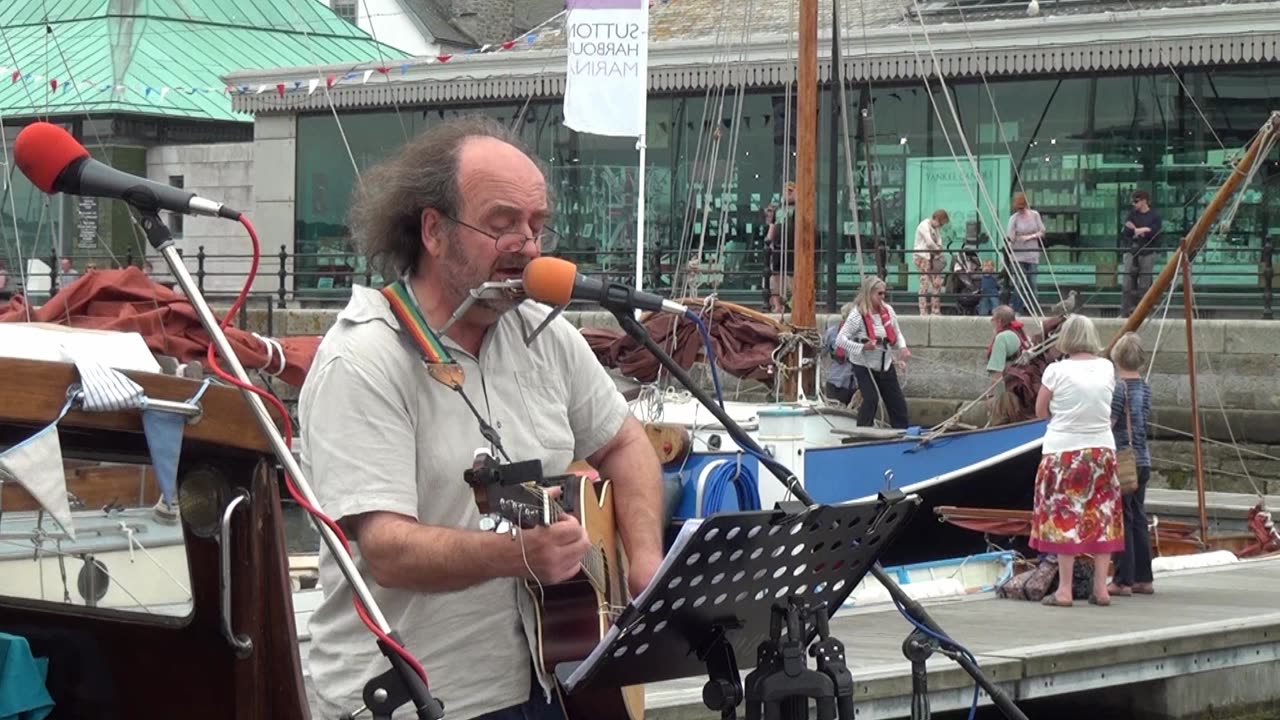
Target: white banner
column 607, row 76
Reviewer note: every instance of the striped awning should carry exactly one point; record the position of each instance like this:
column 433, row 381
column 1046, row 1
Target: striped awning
column 1101, row 42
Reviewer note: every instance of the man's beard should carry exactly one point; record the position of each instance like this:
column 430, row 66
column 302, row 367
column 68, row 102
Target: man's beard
column 461, row 276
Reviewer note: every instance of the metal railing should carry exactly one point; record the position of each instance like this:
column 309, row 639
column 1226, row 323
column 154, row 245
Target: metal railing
column 318, row 280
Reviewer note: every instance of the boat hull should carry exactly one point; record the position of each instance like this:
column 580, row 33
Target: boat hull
column 992, row 467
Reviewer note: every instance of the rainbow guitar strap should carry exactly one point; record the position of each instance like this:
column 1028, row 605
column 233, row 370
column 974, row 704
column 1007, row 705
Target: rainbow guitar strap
column 440, row 364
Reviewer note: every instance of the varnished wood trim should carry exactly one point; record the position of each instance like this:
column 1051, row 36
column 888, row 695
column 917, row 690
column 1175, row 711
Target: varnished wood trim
column 34, row 391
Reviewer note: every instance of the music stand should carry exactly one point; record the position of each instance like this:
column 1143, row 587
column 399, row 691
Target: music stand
column 727, row 583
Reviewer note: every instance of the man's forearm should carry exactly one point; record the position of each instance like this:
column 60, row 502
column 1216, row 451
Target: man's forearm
column 405, row 554
column 631, row 465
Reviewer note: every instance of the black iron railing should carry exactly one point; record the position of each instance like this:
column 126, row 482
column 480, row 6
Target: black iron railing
column 1241, row 287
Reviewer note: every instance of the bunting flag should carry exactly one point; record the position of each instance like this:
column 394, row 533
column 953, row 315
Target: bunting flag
column 285, row 86
column 36, row 465
column 163, row 430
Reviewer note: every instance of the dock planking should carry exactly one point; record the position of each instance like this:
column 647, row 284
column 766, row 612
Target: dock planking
column 1198, row 620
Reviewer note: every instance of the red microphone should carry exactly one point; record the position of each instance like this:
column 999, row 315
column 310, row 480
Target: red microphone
column 56, row 162
column 555, row 282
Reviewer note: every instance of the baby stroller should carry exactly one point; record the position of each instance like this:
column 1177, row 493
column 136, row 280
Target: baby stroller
column 964, row 278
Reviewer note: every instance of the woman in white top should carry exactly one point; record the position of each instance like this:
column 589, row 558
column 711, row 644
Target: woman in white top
column 1078, row 506
column 927, row 257
column 872, row 340
column 1025, row 235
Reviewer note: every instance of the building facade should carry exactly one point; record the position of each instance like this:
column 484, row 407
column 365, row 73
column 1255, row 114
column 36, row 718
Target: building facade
column 1076, row 107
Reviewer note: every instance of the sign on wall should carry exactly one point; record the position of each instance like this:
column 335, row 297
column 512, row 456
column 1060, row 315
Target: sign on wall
column 607, row 75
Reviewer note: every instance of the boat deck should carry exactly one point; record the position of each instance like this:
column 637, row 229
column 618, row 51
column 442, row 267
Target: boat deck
column 1203, row 619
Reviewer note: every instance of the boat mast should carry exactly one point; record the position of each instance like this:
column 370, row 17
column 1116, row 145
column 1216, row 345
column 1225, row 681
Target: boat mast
column 802, row 312
column 802, row 298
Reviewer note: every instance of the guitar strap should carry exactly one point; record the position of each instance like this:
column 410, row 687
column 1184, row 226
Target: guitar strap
column 435, row 356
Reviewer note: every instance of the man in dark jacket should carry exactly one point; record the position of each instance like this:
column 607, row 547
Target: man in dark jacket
column 1142, row 231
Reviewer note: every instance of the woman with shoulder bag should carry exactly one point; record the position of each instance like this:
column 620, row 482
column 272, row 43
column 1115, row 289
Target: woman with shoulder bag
column 1130, row 411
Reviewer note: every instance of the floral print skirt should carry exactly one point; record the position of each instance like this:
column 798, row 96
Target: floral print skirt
column 1078, row 506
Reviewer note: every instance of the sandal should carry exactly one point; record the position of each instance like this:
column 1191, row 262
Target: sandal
column 1144, row 588
column 1052, row 601
column 1120, row 590
column 1095, row 600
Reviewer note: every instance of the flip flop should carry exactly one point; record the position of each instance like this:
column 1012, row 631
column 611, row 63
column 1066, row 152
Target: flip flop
column 1052, row 601
column 1119, row 591
column 1094, row 600
column 1144, row 589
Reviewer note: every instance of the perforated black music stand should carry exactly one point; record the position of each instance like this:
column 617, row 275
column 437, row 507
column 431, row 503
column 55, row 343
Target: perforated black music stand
column 711, row 606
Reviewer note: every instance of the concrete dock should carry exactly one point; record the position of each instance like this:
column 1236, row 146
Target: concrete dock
column 1208, row 638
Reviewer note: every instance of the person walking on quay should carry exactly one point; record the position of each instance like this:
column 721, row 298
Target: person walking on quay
column 1130, row 412
column 839, row 384
column 1077, row 507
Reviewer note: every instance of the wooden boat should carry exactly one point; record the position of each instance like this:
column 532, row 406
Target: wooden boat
column 234, row 654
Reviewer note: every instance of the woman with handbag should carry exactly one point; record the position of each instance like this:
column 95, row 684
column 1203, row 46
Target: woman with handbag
column 1077, row 497
column 928, row 260
column 1130, row 410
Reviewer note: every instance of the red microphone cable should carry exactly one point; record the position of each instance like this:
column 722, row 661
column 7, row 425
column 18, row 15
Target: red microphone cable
column 212, row 359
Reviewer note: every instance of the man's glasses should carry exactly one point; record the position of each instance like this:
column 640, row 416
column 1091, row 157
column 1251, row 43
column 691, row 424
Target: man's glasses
column 513, row 242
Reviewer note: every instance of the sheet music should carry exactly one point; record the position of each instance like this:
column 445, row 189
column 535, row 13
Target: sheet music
column 687, row 531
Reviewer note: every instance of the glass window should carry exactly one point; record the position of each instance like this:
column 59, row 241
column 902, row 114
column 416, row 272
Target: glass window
column 127, row 555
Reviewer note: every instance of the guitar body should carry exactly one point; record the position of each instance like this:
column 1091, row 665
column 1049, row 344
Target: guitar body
column 571, row 617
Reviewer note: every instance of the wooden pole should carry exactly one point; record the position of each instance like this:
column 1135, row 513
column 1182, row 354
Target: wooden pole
column 802, row 298
column 1187, row 308
column 802, row 309
column 1195, row 238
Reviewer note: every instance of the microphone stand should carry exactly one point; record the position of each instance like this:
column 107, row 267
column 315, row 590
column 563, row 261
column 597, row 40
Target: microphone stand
column 402, row 683
column 912, row 609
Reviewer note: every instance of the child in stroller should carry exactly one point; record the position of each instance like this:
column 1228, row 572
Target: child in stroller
column 964, row 278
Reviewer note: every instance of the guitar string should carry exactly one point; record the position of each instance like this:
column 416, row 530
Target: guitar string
column 594, row 554
column 542, row 596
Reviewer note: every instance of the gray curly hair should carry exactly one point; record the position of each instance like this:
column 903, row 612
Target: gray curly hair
column 387, row 203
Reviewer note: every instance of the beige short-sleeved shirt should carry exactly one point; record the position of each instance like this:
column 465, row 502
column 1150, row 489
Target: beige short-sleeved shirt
column 381, row 435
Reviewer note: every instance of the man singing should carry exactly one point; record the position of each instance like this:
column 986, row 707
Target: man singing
column 386, row 445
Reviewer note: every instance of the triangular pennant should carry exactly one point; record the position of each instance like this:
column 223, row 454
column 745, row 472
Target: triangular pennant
column 485, row 47
column 164, row 440
column 280, row 89
column 404, row 68
column 36, row 464
column 328, row 81
column 260, row 89
column 367, row 73
column 443, row 58
column 312, row 84
column 384, row 70
column 163, row 91
column 147, row 92
column 53, row 84
column 508, row 44
column 531, row 37
column 16, row 74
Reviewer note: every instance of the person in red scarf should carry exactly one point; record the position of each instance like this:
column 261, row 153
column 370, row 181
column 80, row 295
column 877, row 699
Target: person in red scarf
column 1008, row 341
column 873, row 341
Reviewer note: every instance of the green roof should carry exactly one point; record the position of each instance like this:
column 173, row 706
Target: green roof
column 161, row 57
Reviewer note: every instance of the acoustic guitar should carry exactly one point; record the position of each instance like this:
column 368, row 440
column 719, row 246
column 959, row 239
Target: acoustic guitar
column 573, row 616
